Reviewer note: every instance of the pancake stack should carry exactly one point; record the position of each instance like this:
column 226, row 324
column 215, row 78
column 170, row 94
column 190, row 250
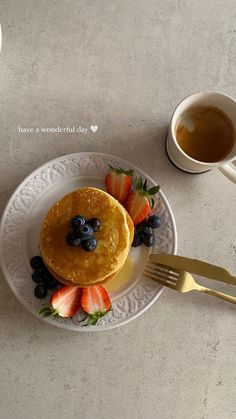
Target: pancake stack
column 73, row 265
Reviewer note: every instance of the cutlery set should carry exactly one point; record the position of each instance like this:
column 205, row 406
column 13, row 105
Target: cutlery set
column 173, row 271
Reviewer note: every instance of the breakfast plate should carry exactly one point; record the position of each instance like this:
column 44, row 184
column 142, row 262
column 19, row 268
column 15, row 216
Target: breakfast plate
column 132, row 294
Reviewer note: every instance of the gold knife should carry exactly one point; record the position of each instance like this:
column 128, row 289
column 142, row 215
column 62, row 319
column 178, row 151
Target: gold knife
column 194, row 266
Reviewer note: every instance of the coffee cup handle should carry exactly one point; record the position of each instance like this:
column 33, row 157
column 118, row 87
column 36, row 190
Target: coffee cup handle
column 229, row 171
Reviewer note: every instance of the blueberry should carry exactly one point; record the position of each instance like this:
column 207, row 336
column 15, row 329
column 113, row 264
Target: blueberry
column 137, row 240
column 40, row 291
column 89, row 244
column 154, row 221
column 51, row 282
column 44, row 270
column 148, row 239
column 48, row 279
column 95, row 223
column 38, row 277
column 84, row 231
column 146, row 231
column 36, row 262
column 76, row 221
column 73, row 239
column 143, row 228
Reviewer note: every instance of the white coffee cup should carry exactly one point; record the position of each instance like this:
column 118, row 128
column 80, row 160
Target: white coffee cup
column 227, row 104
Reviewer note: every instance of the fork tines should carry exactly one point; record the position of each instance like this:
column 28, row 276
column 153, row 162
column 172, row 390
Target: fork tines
column 162, row 274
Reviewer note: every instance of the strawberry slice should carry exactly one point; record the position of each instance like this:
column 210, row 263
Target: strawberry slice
column 118, row 183
column 140, row 202
column 95, row 302
column 63, row 303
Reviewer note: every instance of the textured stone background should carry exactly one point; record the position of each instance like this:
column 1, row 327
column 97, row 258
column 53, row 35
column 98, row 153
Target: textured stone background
column 121, row 65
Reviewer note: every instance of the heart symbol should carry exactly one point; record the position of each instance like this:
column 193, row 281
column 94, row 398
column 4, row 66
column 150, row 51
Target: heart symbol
column 94, row 128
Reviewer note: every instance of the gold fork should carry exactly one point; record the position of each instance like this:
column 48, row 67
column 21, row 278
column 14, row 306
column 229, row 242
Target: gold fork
column 179, row 280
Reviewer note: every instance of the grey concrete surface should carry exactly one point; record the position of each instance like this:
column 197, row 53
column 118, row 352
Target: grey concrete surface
column 121, row 65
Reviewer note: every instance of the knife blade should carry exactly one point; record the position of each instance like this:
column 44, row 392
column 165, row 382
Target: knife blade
column 194, row 266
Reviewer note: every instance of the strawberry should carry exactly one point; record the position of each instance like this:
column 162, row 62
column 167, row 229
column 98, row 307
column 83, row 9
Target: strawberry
column 63, row 303
column 140, row 202
column 118, row 183
column 95, row 302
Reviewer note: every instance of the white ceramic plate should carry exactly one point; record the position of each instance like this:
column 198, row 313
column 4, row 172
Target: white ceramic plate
column 23, row 217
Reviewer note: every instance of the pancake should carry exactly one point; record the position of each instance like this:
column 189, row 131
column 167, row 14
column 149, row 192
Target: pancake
column 63, row 280
column 73, row 265
column 98, row 282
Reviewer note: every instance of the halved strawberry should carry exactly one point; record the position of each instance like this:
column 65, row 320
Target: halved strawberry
column 140, row 202
column 118, row 183
column 95, row 302
column 63, row 303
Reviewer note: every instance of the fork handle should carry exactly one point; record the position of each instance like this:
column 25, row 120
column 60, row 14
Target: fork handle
column 218, row 294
